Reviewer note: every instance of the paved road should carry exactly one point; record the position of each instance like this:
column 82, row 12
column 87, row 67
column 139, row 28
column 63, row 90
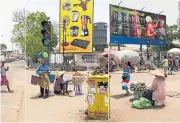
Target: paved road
column 12, row 104
column 121, row 110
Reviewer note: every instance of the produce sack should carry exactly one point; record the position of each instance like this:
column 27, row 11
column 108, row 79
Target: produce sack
column 142, row 103
column 147, row 94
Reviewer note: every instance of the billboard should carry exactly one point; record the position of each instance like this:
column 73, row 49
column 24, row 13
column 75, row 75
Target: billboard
column 136, row 27
column 77, row 16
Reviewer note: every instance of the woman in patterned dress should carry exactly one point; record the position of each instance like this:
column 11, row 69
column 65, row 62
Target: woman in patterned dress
column 4, row 80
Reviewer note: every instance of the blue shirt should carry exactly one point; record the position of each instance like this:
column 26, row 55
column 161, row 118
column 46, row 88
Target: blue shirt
column 43, row 68
column 126, row 72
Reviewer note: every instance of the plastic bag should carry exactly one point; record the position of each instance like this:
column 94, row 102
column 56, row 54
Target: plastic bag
column 142, row 103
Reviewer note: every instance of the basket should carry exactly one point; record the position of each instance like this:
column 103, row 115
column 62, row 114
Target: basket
column 77, row 80
column 137, row 94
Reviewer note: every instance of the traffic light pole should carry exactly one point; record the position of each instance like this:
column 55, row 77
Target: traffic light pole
column 63, row 43
column 147, row 52
column 49, row 52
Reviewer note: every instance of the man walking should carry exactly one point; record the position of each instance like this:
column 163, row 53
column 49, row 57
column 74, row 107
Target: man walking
column 165, row 65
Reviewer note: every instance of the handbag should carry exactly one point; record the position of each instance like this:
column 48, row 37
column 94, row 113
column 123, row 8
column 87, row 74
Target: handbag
column 34, row 79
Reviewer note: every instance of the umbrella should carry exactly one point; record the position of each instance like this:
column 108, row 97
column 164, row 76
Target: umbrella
column 174, row 51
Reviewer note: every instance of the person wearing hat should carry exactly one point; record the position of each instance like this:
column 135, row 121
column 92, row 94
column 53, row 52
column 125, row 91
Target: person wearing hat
column 159, row 88
column 43, row 71
column 60, row 85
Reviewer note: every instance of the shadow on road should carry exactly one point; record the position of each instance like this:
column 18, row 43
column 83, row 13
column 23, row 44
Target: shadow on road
column 37, row 96
column 119, row 96
column 3, row 91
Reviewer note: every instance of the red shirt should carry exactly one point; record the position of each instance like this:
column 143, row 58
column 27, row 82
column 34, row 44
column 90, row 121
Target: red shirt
column 150, row 29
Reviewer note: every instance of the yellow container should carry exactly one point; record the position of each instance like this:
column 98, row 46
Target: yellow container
column 98, row 96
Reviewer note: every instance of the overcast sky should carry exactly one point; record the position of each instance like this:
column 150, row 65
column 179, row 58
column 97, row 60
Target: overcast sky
column 101, row 11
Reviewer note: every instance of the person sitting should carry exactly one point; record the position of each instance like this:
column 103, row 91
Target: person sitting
column 60, row 85
column 158, row 88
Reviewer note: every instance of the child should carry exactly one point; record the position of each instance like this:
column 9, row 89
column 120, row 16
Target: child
column 126, row 78
column 4, row 80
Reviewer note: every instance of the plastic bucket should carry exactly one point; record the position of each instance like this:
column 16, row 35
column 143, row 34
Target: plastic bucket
column 52, row 78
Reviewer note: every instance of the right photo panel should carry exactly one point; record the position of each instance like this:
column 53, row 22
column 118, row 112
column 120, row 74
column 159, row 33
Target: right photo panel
column 144, row 61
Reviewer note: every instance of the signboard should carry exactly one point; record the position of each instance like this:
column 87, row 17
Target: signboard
column 77, row 16
column 136, row 27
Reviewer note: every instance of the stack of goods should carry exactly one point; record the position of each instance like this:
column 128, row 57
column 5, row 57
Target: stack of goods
column 97, row 71
column 78, row 79
column 138, row 88
column 103, row 60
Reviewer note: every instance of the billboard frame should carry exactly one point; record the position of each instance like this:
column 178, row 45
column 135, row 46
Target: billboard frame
column 61, row 27
column 114, row 39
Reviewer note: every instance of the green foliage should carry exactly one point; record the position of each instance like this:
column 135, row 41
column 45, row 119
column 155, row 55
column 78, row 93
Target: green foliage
column 28, row 32
column 3, row 46
column 173, row 33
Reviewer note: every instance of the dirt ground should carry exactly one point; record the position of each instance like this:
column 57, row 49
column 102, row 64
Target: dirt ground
column 12, row 104
column 121, row 110
column 23, row 104
column 55, row 108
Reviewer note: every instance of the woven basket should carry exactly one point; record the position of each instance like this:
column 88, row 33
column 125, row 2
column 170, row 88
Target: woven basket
column 77, row 80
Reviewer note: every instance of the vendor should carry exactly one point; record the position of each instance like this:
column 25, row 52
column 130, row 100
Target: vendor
column 59, row 85
column 43, row 71
column 159, row 88
column 78, row 89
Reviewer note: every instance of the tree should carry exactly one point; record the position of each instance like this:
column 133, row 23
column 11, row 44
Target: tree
column 3, row 46
column 27, row 31
column 173, row 33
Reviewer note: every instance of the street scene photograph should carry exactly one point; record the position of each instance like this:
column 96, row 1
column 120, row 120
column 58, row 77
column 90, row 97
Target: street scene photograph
column 90, row 61
column 144, row 57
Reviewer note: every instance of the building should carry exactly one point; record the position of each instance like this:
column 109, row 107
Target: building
column 178, row 21
column 100, row 36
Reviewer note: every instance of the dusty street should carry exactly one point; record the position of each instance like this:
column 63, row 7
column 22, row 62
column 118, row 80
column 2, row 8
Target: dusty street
column 12, row 104
column 55, row 108
column 19, row 107
column 121, row 110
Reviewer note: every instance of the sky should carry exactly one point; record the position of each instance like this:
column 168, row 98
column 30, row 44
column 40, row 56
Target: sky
column 101, row 11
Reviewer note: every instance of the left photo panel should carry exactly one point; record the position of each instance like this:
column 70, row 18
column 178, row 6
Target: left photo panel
column 67, row 78
column 12, row 60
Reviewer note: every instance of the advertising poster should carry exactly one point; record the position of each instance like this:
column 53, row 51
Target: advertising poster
column 136, row 24
column 77, row 16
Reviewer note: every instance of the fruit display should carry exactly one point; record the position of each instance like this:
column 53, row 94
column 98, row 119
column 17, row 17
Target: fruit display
column 138, row 86
column 97, row 71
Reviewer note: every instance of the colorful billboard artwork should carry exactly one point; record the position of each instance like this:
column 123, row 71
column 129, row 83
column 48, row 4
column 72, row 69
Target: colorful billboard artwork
column 77, row 16
column 134, row 23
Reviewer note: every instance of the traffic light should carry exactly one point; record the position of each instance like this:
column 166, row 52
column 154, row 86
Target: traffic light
column 46, row 32
column 43, row 55
column 148, row 43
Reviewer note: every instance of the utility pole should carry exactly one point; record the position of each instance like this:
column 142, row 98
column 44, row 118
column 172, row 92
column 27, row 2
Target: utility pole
column 64, row 26
column 141, row 44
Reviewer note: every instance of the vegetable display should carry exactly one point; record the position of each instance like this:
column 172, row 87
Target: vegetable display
column 138, row 86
